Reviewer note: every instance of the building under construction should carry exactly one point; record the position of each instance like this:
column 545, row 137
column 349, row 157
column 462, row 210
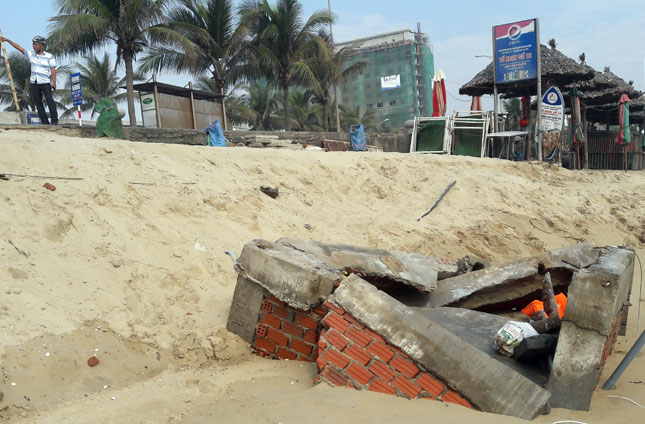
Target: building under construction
column 397, row 83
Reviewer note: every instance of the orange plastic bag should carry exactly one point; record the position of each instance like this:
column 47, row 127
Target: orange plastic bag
column 538, row 305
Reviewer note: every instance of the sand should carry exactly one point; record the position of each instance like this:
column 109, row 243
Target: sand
column 128, row 263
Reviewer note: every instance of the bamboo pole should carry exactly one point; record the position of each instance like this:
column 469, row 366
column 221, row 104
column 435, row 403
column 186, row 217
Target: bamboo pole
column 584, row 132
column 6, row 61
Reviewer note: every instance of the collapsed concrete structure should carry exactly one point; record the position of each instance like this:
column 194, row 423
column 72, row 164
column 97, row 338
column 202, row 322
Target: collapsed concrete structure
column 420, row 327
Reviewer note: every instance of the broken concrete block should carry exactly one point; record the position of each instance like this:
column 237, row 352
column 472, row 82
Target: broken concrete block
column 412, row 269
column 293, row 276
column 513, row 281
column 485, row 382
column 245, row 308
column 598, row 298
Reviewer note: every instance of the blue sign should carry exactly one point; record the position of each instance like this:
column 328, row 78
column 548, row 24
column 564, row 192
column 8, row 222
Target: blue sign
column 77, row 93
column 34, row 119
column 515, row 50
column 552, row 110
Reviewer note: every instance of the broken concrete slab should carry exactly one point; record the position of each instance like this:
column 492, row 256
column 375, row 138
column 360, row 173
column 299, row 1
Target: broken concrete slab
column 418, row 271
column 487, row 383
column 598, row 299
column 245, row 308
column 515, row 280
column 479, row 329
column 295, row 277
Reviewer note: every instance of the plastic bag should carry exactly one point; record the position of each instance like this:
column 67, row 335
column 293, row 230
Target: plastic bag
column 511, row 334
column 357, row 138
column 216, row 134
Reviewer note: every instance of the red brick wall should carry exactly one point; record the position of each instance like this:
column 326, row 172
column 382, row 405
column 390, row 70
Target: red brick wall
column 609, row 344
column 351, row 355
column 287, row 333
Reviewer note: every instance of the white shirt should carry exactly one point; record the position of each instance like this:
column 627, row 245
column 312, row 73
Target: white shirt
column 41, row 65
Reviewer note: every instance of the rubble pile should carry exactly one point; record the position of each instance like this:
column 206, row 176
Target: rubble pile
column 420, row 327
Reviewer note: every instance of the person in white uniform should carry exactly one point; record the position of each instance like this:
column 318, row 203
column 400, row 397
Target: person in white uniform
column 42, row 79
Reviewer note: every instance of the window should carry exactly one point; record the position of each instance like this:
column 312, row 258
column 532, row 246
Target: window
column 380, row 104
column 392, row 102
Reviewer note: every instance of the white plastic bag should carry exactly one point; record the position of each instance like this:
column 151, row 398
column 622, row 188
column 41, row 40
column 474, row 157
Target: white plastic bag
column 511, row 334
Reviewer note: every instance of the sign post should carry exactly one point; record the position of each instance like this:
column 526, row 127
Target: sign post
column 77, row 94
column 516, row 51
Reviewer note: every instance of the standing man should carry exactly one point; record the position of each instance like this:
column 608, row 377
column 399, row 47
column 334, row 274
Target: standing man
column 42, row 79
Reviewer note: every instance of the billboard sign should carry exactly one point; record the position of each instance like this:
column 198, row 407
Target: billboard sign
column 390, row 82
column 515, row 48
column 77, row 93
column 552, row 110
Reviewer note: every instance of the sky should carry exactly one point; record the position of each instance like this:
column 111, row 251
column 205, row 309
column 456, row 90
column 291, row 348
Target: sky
column 609, row 33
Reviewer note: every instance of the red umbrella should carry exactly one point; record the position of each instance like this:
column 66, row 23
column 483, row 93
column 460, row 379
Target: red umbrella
column 624, row 137
column 476, row 103
column 439, row 94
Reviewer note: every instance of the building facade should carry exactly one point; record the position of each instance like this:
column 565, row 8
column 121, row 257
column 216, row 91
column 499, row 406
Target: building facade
column 397, row 82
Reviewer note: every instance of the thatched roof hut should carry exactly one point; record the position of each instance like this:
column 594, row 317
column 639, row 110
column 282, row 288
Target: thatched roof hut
column 556, row 67
column 608, row 113
column 601, row 95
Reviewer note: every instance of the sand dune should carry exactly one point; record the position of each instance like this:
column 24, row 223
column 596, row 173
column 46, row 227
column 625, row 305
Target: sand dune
column 127, row 261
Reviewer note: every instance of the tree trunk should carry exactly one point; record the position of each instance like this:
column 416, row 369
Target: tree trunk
column 220, row 85
column 325, row 115
column 287, row 106
column 129, row 82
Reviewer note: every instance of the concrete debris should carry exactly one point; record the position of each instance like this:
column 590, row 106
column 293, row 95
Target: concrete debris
column 419, row 327
column 514, row 281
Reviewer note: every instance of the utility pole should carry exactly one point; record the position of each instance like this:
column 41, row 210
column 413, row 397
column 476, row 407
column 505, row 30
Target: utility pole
column 331, row 35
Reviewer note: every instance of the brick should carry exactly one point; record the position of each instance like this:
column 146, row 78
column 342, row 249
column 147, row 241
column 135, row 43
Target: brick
column 454, row 397
column 280, row 311
column 261, row 330
column 311, row 336
column 321, row 363
column 276, row 301
column 381, row 350
column 320, row 311
column 306, row 321
column 286, row 354
column 359, row 354
column 360, row 374
column 381, row 387
column 336, row 358
column 93, row 361
column 277, row 337
column 265, row 344
column 336, row 321
column 322, row 345
column 271, row 320
column 404, row 366
column 267, row 306
column 400, row 352
column 300, row 346
column 334, row 377
column 381, row 370
column 430, row 384
column 374, row 335
column 336, row 339
column 358, row 336
column 354, row 321
column 407, row 387
column 338, row 309
column 293, row 329
column 49, row 187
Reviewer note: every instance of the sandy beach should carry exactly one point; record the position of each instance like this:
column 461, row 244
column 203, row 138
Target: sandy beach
column 126, row 260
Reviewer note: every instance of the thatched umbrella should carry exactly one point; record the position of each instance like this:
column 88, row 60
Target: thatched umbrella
column 556, row 67
column 600, row 95
column 607, row 113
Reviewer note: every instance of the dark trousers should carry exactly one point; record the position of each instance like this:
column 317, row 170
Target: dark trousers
column 37, row 91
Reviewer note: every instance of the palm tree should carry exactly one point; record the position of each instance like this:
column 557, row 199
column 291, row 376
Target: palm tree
column 284, row 43
column 514, row 108
column 20, row 70
column 328, row 71
column 200, row 38
column 263, row 99
column 98, row 80
column 239, row 112
column 84, row 25
column 349, row 117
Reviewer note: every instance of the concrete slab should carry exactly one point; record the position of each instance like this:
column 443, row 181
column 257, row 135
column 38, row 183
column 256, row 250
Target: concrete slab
column 479, row 329
column 485, row 382
column 245, row 308
column 418, row 271
column 598, row 299
column 514, row 280
column 293, row 276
